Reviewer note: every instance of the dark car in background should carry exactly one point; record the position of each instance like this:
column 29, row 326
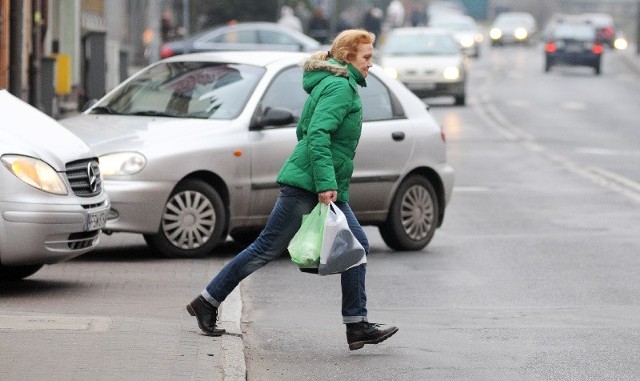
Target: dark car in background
column 604, row 25
column 573, row 44
column 243, row 36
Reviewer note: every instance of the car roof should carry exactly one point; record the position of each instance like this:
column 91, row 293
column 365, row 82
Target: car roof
column 257, row 58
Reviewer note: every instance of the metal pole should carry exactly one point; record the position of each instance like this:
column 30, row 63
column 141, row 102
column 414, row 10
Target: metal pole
column 16, row 25
column 638, row 28
column 36, row 54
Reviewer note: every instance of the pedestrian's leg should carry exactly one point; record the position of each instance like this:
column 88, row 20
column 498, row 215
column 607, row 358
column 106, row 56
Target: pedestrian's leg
column 282, row 225
column 354, row 296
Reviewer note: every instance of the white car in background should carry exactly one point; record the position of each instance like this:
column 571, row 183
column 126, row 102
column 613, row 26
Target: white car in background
column 427, row 60
column 464, row 29
column 190, row 148
column 52, row 205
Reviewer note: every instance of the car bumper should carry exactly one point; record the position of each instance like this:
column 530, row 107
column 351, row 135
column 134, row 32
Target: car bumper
column 575, row 59
column 51, row 233
column 434, row 89
column 136, row 206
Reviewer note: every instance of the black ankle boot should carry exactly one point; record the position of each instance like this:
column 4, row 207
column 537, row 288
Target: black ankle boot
column 359, row 334
column 206, row 314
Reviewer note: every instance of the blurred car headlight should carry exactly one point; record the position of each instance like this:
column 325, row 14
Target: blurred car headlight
column 495, row 33
column 520, row 33
column 122, row 163
column 467, row 42
column 620, row 43
column 391, row 72
column 36, row 173
column 451, row 73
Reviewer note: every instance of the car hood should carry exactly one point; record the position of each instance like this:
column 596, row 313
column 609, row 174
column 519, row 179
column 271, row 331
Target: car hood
column 118, row 133
column 28, row 131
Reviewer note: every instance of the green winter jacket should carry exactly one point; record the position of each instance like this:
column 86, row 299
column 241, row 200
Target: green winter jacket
column 329, row 129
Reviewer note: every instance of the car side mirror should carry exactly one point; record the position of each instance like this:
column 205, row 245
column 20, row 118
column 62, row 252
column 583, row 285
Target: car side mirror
column 274, row 116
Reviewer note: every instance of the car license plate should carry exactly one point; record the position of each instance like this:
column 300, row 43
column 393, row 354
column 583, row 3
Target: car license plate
column 421, row 86
column 96, row 220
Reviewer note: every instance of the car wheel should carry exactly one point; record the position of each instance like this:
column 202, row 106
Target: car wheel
column 547, row 66
column 460, row 100
column 9, row 273
column 192, row 223
column 413, row 215
column 597, row 69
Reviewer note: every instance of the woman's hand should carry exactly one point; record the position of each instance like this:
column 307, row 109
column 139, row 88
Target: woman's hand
column 327, row 197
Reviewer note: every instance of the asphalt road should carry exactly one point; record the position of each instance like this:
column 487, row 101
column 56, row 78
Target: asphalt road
column 534, row 272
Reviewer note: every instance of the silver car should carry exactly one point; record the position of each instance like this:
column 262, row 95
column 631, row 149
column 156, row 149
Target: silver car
column 190, row 148
column 427, row 60
column 52, row 205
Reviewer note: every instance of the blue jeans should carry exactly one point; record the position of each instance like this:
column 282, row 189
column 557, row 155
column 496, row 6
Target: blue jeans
column 282, row 225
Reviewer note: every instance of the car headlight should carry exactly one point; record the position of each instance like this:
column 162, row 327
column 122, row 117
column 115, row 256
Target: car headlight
column 36, row 173
column 520, row 33
column 495, row 33
column 620, row 43
column 391, row 72
column 122, row 163
column 451, row 73
column 467, row 42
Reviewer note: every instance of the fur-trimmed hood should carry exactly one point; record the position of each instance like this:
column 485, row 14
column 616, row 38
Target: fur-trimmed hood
column 318, row 62
column 317, row 67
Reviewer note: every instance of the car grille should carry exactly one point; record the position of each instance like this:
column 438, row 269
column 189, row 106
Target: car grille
column 79, row 241
column 84, row 177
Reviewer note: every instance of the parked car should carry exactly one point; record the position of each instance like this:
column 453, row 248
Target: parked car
column 464, row 29
column 605, row 27
column 52, row 205
column 190, row 148
column 574, row 44
column 243, row 36
column 427, row 60
column 513, row 27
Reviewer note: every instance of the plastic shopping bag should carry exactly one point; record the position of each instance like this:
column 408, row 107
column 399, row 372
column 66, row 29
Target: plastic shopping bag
column 340, row 248
column 304, row 247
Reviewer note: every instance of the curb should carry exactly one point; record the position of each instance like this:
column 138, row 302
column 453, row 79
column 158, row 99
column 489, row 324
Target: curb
column 234, row 367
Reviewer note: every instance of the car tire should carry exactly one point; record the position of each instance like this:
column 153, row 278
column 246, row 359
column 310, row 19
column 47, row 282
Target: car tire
column 597, row 69
column 413, row 216
column 11, row 273
column 193, row 222
column 460, row 100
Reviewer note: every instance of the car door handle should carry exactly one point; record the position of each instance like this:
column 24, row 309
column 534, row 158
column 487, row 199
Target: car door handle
column 397, row 136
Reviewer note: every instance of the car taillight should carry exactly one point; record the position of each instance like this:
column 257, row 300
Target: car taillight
column 550, row 47
column 608, row 31
column 597, row 49
column 165, row 51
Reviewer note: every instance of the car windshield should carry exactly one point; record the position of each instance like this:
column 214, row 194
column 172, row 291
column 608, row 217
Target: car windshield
column 202, row 90
column 420, row 44
column 574, row 32
column 454, row 25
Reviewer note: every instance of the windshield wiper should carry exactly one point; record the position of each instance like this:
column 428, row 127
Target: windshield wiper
column 104, row 110
column 154, row 113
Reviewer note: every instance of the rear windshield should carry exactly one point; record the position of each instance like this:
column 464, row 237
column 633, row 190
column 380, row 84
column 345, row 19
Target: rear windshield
column 574, row 32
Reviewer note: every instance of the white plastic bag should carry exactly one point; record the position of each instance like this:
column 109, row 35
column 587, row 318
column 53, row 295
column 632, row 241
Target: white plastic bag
column 340, row 249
